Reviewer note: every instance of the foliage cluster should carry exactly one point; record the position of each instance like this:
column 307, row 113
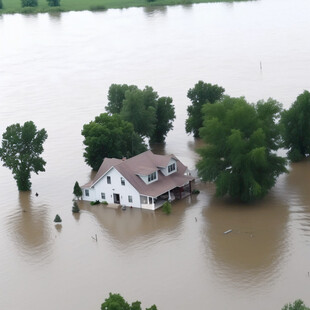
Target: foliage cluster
column 296, row 128
column 53, row 2
column 241, row 144
column 75, row 208
column 167, row 207
column 199, row 95
column 77, row 191
column 117, row 302
column 297, row 305
column 57, row 219
column 21, row 150
column 29, row 3
column 152, row 116
column 1, row 5
column 110, row 136
column 96, row 202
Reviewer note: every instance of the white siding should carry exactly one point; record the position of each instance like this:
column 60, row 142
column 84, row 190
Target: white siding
column 114, row 188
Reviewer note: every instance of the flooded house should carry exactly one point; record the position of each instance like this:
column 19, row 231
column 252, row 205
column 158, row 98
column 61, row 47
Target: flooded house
column 144, row 181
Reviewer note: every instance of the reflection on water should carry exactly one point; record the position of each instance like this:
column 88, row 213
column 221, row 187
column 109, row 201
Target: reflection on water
column 29, row 228
column 252, row 252
column 152, row 11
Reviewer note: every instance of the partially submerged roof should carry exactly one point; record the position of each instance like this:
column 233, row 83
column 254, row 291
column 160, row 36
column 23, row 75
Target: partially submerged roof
column 145, row 164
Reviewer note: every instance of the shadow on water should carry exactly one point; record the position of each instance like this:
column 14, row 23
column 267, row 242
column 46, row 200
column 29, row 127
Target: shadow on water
column 252, row 253
column 55, row 17
column 30, row 229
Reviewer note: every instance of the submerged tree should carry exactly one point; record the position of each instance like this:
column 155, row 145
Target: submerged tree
column 110, row 136
column 21, row 150
column 117, row 302
column 199, row 95
column 152, row 116
column 296, row 128
column 297, row 305
column 241, row 144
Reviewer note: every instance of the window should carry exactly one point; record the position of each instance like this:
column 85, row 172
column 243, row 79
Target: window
column 150, row 200
column 102, row 195
column 152, row 176
column 129, row 198
column 171, row 168
column 86, row 192
column 108, row 180
column 122, row 181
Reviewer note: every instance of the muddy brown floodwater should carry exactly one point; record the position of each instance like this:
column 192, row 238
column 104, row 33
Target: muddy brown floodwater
column 56, row 70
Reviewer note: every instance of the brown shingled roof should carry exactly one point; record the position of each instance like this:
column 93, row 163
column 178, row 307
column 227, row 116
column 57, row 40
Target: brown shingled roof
column 144, row 164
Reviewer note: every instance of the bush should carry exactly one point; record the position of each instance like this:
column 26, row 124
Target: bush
column 57, row 219
column 53, row 2
column 1, row 5
column 97, row 8
column 105, row 203
column 97, row 202
column 297, row 305
column 167, row 207
column 75, row 208
column 195, row 191
column 29, row 3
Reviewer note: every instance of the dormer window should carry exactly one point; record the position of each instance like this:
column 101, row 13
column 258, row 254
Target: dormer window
column 122, row 181
column 151, row 177
column 171, row 168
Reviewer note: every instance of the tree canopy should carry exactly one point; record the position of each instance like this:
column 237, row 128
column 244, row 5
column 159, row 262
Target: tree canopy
column 199, row 95
column 296, row 128
column 152, row 116
column 297, row 305
column 21, row 150
column 110, row 136
column 117, row 302
column 241, row 144
column 77, row 191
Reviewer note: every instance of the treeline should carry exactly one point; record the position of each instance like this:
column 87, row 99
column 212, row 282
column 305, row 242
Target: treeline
column 242, row 139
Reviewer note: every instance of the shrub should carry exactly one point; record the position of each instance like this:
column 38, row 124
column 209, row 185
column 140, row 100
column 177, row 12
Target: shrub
column 1, row 5
column 75, row 208
column 31, row 3
column 57, row 219
column 195, row 191
column 297, row 305
column 105, row 203
column 97, row 8
column 167, row 207
column 95, row 202
column 77, row 191
column 53, row 2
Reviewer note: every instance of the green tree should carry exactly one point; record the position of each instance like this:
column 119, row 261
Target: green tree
column 116, row 96
column 297, row 305
column 165, row 116
column 110, row 136
column 21, row 150
column 1, row 5
column 117, row 302
column 150, row 115
column 53, row 2
column 29, row 3
column 241, row 145
column 167, row 207
column 77, row 191
column 296, row 128
column 141, row 115
column 199, row 95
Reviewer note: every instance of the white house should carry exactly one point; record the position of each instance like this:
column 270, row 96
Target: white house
column 144, row 181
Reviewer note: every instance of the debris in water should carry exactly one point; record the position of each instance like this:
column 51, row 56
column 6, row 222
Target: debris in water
column 227, row 231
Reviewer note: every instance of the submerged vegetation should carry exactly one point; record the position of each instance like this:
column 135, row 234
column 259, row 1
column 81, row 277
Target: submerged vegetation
column 14, row 6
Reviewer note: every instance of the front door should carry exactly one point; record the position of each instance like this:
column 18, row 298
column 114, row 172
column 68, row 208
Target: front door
column 116, row 198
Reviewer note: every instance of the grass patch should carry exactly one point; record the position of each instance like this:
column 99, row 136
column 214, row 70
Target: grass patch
column 14, row 6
